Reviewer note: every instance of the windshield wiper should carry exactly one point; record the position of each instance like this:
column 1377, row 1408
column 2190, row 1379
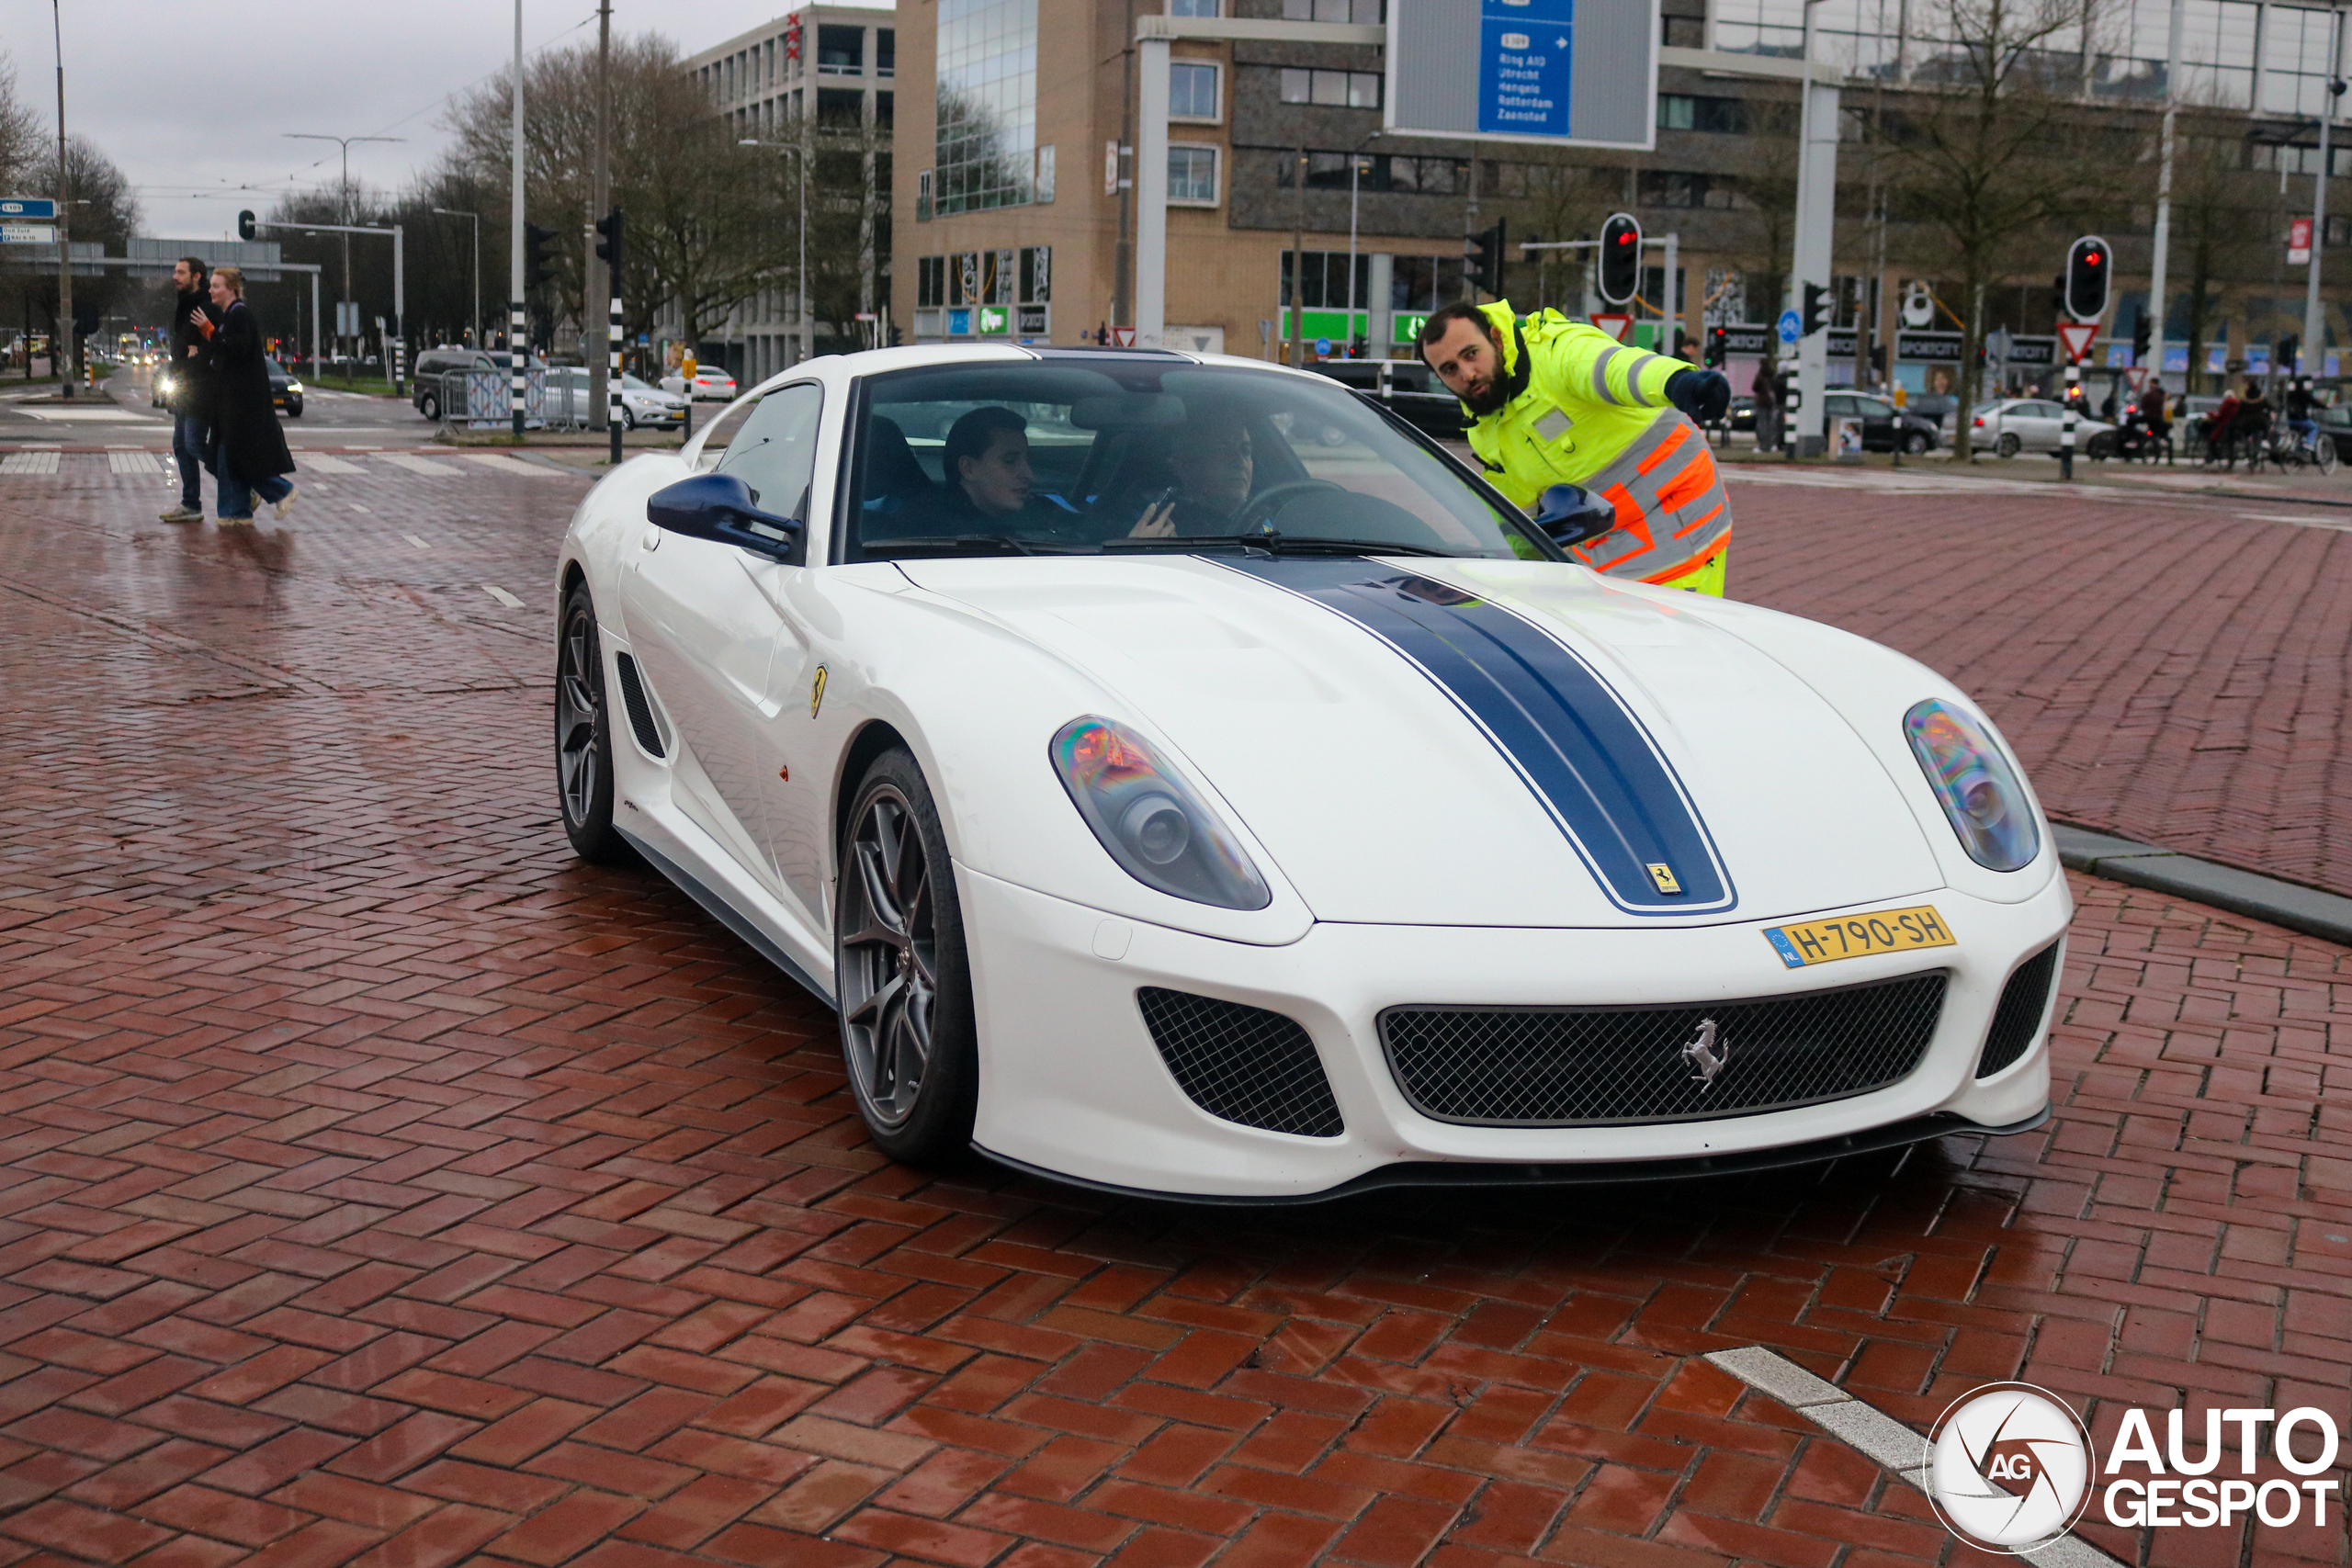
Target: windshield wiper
column 955, row 544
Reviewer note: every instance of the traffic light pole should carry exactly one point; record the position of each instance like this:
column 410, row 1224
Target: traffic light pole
column 2066, row 425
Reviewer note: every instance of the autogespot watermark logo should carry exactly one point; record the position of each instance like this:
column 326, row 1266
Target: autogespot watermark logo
column 2010, row 1468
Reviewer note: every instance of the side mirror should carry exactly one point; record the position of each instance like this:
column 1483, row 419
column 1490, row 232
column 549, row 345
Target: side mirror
column 719, row 507
column 1572, row 514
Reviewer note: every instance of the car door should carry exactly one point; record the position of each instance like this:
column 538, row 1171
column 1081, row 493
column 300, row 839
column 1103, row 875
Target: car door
column 1878, row 424
column 703, row 624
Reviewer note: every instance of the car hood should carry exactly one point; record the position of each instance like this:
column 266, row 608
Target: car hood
column 1476, row 742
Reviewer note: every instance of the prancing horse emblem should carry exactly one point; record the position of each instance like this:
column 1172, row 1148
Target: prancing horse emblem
column 1702, row 1054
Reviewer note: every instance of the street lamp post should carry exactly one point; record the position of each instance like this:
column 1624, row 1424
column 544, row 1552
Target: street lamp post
column 1355, row 168
column 801, row 282
column 344, row 143
column 62, row 362
column 453, row 212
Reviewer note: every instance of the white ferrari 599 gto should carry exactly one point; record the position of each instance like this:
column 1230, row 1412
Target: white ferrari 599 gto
column 1181, row 776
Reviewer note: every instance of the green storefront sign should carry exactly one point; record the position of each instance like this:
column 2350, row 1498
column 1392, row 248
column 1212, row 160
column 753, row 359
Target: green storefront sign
column 994, row 320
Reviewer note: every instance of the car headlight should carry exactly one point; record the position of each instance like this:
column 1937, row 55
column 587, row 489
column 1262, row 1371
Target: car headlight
column 1981, row 793
column 1153, row 822
column 294, row 386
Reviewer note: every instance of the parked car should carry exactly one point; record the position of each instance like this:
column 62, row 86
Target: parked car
column 1884, row 427
column 2011, row 425
column 1406, row 387
column 711, row 385
column 285, row 391
column 2335, row 424
column 641, row 402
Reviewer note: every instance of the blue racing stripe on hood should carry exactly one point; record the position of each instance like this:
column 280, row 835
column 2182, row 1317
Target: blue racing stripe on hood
column 1583, row 756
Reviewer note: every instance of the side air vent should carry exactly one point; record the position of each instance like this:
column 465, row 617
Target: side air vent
column 641, row 711
column 1242, row 1064
column 2018, row 1016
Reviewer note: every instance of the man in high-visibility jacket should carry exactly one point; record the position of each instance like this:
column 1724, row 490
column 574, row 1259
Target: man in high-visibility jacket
column 1557, row 401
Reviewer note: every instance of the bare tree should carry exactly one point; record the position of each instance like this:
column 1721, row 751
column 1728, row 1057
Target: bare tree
column 1991, row 148
column 707, row 227
column 20, row 128
column 2225, row 221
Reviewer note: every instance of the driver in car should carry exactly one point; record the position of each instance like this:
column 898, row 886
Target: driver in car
column 989, row 487
column 1209, row 458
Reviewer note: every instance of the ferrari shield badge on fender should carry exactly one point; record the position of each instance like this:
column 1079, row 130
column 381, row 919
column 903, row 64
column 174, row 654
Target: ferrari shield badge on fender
column 817, row 691
column 1663, row 875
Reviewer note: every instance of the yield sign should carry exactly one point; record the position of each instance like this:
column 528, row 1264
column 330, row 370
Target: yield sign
column 1614, row 323
column 1123, row 338
column 2077, row 338
column 2137, row 378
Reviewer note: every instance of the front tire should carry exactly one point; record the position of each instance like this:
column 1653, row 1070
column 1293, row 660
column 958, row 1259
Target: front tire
column 2102, row 447
column 904, row 986
column 1915, row 444
column 430, row 407
column 583, row 736
column 629, row 420
column 2008, row 445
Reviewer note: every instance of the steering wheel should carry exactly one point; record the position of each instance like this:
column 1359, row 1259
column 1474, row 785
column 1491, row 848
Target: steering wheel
column 1256, row 507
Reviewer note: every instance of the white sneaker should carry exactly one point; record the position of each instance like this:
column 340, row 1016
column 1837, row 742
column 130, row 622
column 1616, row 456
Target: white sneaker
column 285, row 503
column 185, row 514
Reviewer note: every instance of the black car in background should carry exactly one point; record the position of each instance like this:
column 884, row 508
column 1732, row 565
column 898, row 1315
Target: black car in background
column 285, row 391
column 1884, row 427
column 1407, row 388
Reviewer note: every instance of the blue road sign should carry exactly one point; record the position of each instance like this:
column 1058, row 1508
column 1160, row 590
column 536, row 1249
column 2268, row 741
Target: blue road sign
column 27, row 208
column 1792, row 326
column 1323, row 346
column 1524, row 49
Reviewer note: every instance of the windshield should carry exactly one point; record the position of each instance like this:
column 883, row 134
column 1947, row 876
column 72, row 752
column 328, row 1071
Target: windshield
column 630, row 383
column 1059, row 457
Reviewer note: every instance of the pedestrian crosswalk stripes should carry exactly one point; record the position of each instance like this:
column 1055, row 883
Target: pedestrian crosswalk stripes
column 506, row 464
column 133, row 463
column 28, row 463
column 319, row 463
column 419, row 465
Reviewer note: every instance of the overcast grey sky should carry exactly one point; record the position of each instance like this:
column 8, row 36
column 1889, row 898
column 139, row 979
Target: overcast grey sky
column 192, row 99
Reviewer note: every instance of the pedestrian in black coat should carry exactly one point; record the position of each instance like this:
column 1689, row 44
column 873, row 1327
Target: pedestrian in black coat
column 190, row 395
column 248, row 448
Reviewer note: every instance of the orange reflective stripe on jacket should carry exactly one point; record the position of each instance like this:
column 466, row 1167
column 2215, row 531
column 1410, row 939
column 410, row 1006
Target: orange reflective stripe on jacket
column 1672, row 514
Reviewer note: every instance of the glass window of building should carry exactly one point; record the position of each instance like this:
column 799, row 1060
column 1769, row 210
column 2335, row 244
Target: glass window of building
column 886, row 51
column 1367, row 12
column 840, row 50
column 1342, row 89
column 1191, row 90
column 987, row 104
column 1192, row 7
column 1191, row 175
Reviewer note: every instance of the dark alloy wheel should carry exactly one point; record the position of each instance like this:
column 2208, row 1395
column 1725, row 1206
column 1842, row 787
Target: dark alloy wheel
column 1915, row 443
column 907, row 1037
column 583, row 736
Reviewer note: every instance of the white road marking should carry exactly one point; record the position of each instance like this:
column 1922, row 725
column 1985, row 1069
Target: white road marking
column 413, row 539
column 420, row 465
column 28, row 463
column 506, row 464
column 326, row 464
column 133, row 463
column 1874, row 1433
column 502, row 596
column 356, row 507
column 86, row 416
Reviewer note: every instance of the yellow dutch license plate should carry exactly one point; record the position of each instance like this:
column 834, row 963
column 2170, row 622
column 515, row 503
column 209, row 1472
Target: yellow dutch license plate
column 1858, row 936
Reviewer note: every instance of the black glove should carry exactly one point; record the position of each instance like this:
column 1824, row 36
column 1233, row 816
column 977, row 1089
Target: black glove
column 1704, row 394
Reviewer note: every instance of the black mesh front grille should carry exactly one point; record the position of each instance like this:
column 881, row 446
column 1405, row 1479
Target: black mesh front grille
column 640, row 712
column 2019, row 1013
column 1563, row 1066
column 1242, row 1064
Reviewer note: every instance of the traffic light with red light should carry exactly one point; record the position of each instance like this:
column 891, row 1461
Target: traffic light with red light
column 1621, row 258
column 2088, row 262
column 1718, row 340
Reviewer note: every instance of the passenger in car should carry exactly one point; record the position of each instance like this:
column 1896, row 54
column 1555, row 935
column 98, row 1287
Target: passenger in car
column 1210, row 459
column 989, row 487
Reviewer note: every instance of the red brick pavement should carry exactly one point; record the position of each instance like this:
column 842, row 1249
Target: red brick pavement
column 378, row 1187
column 2172, row 669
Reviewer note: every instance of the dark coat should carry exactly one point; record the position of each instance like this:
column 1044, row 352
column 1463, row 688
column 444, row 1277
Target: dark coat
column 192, row 392
column 244, row 422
